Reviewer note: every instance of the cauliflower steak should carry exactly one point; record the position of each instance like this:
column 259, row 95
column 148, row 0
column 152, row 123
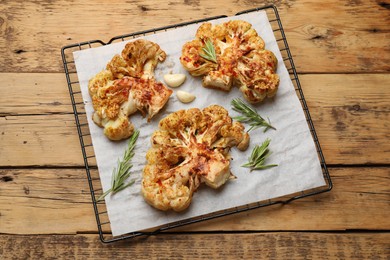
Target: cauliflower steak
column 127, row 85
column 189, row 148
column 240, row 60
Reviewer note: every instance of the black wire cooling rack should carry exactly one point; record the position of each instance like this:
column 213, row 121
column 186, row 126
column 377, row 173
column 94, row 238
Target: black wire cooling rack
column 101, row 214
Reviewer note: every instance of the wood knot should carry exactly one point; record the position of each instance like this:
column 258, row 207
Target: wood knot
column 19, row 51
column 356, row 107
column 6, row 178
column 320, row 34
column 340, row 126
column 192, row 2
column 384, row 5
column 318, row 37
column 143, row 8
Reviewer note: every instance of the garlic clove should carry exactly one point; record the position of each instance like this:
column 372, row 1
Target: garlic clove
column 174, row 80
column 184, row 96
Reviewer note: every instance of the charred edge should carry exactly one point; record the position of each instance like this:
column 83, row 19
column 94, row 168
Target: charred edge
column 384, row 5
column 6, row 179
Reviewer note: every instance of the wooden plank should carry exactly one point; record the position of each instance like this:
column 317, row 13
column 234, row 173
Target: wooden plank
column 34, row 93
column 203, row 246
column 351, row 119
column 53, row 141
column 39, row 141
column 32, row 33
column 48, row 201
column 360, row 197
column 351, row 114
column 47, row 93
column 45, row 201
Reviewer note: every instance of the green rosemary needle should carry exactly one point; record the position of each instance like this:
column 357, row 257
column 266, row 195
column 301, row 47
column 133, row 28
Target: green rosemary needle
column 258, row 156
column 249, row 115
column 209, row 52
column 122, row 172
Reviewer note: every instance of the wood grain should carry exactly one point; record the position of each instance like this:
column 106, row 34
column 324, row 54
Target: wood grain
column 351, row 120
column 341, row 50
column 355, row 39
column 203, row 246
column 34, row 94
column 47, row 201
column 39, row 141
column 350, row 117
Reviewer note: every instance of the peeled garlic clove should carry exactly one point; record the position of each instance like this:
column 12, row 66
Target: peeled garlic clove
column 174, row 80
column 184, row 96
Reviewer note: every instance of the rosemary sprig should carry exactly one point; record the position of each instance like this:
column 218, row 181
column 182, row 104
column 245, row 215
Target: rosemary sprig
column 249, row 115
column 258, row 156
column 122, row 172
column 209, row 52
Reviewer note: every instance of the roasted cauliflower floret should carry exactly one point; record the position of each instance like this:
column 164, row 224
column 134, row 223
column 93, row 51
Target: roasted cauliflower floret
column 127, row 85
column 191, row 147
column 241, row 60
column 195, row 64
column 138, row 59
column 255, row 85
column 112, row 108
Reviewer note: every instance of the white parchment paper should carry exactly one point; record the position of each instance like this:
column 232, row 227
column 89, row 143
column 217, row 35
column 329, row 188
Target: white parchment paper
column 292, row 146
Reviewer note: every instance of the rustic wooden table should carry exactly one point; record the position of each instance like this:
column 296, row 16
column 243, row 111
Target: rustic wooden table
column 341, row 51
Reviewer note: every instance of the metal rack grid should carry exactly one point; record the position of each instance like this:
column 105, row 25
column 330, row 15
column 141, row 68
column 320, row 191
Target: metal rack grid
column 101, row 214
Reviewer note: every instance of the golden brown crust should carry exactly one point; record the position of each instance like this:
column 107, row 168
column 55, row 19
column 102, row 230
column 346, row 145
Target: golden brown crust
column 241, row 60
column 190, row 147
column 149, row 95
column 128, row 85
